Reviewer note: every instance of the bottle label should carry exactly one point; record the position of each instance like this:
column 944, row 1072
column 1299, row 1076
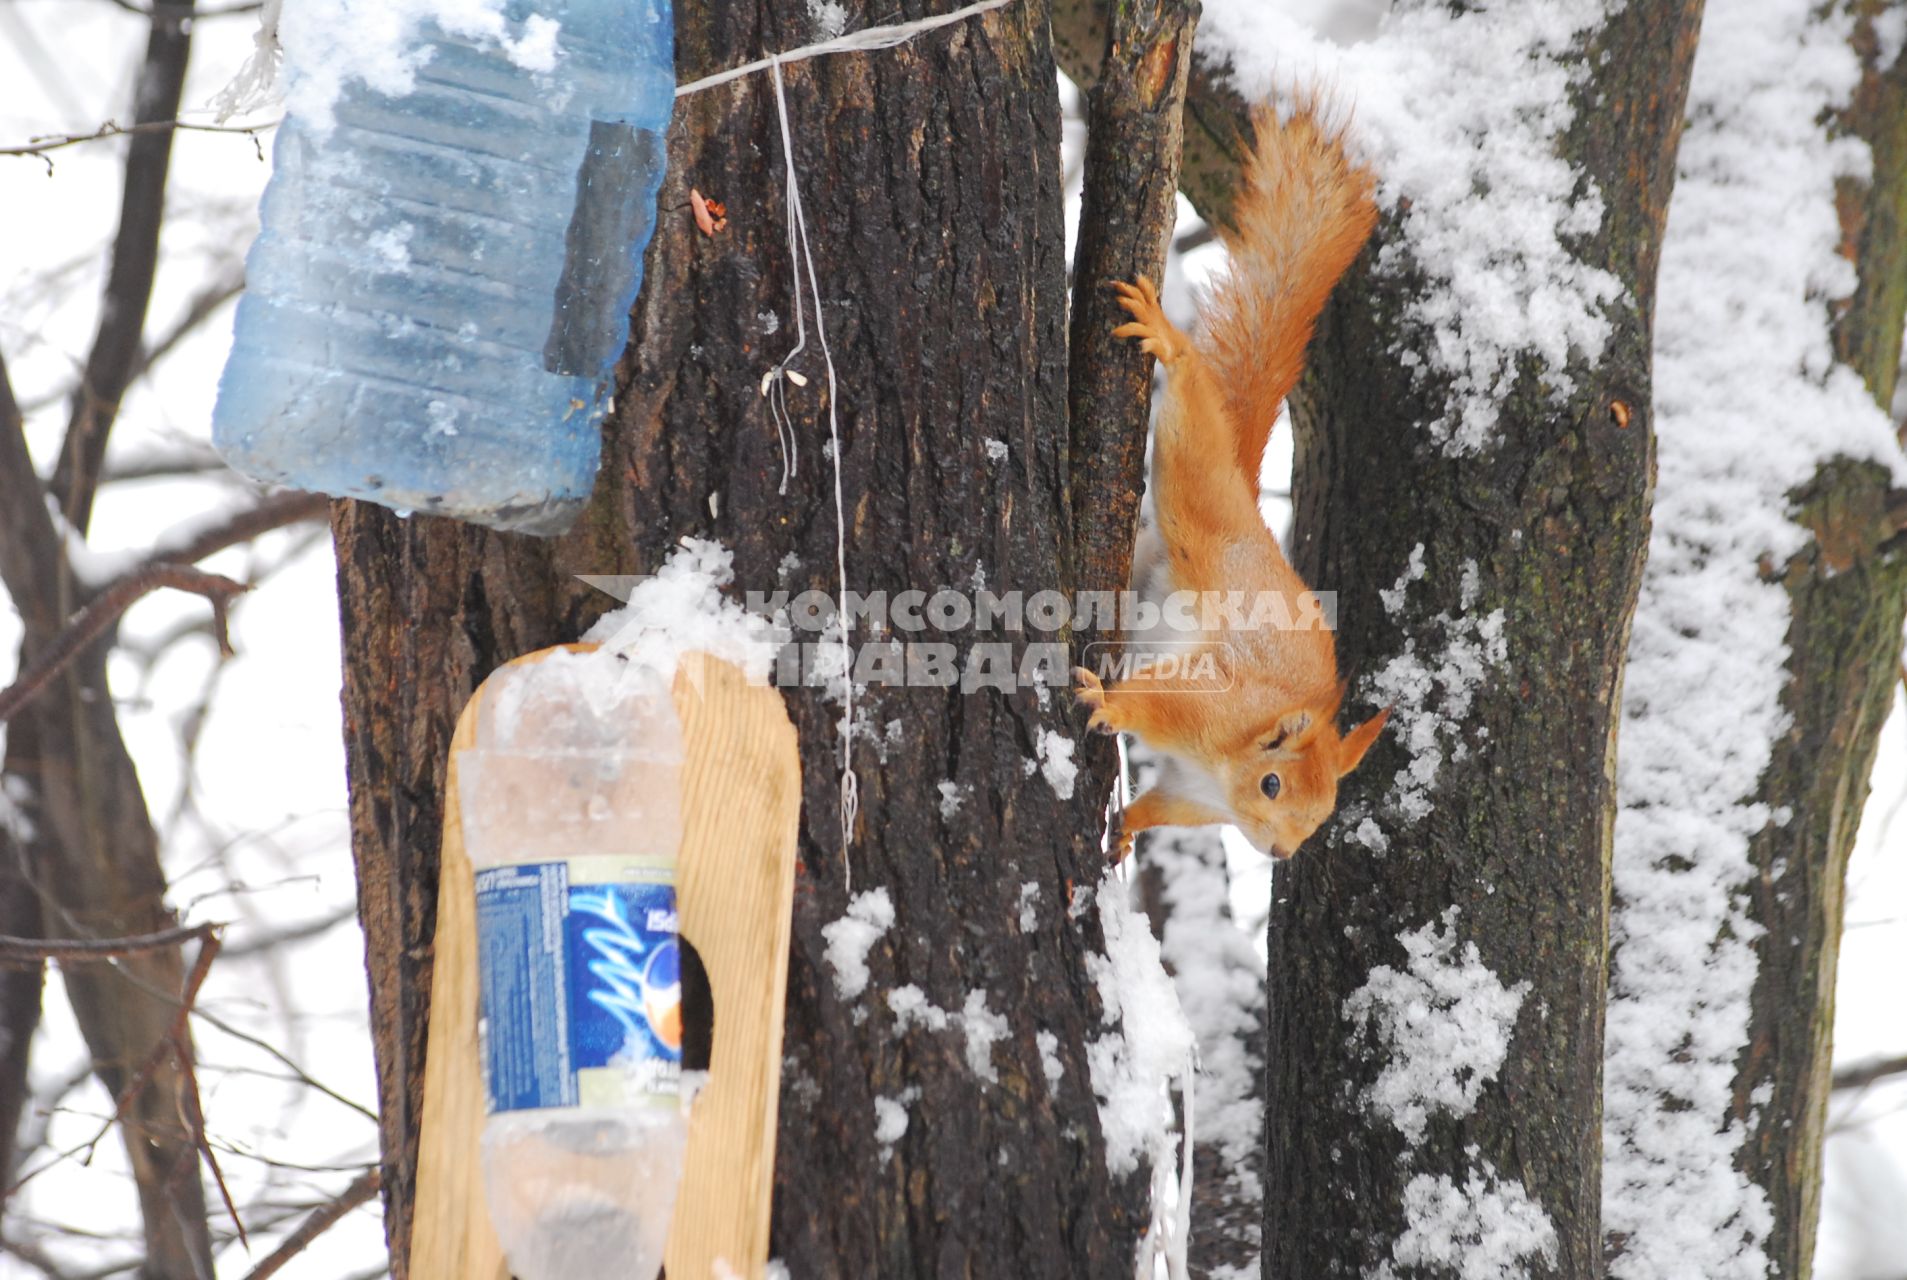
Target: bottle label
column 580, row 974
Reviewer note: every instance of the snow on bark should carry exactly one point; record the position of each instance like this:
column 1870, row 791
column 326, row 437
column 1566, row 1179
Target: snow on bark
column 1444, row 1022
column 1749, row 403
column 1459, row 112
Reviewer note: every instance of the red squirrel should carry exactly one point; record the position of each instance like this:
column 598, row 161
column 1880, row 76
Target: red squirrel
column 1263, row 751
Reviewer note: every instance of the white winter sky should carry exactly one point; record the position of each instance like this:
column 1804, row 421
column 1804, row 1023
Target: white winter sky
column 269, row 771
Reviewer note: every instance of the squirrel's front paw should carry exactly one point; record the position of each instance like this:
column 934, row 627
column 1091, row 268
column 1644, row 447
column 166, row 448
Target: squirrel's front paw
column 1092, row 693
column 1156, row 334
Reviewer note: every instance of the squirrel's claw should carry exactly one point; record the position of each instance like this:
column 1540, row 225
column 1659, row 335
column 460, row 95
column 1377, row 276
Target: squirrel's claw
column 1157, row 337
column 1092, row 693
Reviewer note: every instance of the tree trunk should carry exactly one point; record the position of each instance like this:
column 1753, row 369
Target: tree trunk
column 1529, row 555
column 930, row 180
column 1848, row 593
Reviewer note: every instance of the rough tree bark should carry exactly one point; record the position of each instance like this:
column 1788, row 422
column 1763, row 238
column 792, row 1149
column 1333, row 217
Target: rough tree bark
column 931, row 182
column 1554, row 517
column 1849, row 598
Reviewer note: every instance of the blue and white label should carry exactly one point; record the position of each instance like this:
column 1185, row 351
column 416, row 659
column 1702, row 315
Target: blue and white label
column 581, row 987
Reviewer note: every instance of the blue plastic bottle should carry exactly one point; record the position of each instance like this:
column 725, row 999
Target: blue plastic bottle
column 440, row 290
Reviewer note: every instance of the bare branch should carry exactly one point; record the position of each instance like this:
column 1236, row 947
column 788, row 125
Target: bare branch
column 40, row 144
column 322, row 1219
column 1873, row 1071
column 122, row 312
column 164, row 466
column 274, row 511
column 30, row 556
column 104, row 610
column 31, row 951
column 301, row 932
column 203, row 306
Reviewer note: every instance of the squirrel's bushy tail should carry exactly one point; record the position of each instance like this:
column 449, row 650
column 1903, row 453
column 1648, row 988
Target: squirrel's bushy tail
column 1303, row 213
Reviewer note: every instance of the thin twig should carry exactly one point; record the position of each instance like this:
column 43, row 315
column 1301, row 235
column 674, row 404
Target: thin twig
column 121, row 326
column 1863, row 1074
column 322, row 1219
column 274, row 511
column 203, row 306
column 164, row 466
column 43, row 143
column 31, row 951
column 104, row 610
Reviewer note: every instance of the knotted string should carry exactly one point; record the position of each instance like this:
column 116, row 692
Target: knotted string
column 774, row 382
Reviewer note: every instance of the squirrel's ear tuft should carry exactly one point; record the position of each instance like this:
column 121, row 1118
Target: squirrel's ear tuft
column 1359, row 740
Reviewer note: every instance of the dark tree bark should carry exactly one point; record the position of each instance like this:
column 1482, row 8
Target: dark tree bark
column 1554, row 515
column 1849, row 598
column 930, row 175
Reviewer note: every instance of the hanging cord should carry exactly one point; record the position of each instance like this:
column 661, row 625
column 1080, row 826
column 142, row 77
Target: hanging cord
column 801, row 255
column 775, row 382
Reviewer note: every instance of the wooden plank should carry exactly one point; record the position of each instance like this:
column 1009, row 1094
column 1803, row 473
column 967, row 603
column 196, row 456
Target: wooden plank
column 741, row 807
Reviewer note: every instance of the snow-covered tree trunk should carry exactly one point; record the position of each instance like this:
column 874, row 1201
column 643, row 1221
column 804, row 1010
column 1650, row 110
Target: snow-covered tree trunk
column 1473, row 475
column 1767, row 640
column 958, row 1096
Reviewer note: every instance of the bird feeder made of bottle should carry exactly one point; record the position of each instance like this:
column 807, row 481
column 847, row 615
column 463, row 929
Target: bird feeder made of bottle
column 442, row 279
column 723, row 770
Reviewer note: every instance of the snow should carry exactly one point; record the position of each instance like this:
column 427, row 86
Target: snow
column 1431, row 691
column 890, row 1118
column 1132, row 1068
column 536, row 51
column 1029, row 896
column 382, row 44
column 1486, row 1229
column 1444, row 1025
column 1459, row 113
column 1055, row 761
column 1219, row 976
column 849, row 939
column 16, row 794
column 980, row 1027
column 996, row 450
column 1890, row 36
column 830, row 18
column 1750, row 252
column 681, row 609
column 1050, row 1066
column 912, row 1008
column 950, row 799
column 983, row 1029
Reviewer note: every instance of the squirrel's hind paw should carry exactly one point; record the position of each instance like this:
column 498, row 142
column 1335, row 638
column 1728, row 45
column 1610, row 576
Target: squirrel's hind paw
column 1157, row 336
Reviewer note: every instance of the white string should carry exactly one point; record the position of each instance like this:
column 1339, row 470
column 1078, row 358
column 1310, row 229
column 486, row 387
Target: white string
column 854, row 41
column 774, row 382
column 802, row 258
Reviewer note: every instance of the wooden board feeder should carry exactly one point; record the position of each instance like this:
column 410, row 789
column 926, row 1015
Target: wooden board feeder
column 741, row 780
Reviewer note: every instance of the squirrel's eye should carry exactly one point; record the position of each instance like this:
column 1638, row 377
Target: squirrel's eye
column 1269, row 784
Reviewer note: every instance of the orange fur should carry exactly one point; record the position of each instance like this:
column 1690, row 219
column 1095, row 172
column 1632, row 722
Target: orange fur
column 1303, row 215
